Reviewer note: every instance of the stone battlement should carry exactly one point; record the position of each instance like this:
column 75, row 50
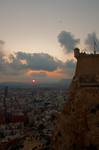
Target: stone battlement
column 87, row 68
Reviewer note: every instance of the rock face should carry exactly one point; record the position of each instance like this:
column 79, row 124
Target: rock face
column 77, row 126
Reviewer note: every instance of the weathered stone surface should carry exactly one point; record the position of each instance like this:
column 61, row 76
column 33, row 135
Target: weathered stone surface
column 78, row 125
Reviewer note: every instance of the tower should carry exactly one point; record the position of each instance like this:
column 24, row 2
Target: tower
column 76, row 52
column 76, row 127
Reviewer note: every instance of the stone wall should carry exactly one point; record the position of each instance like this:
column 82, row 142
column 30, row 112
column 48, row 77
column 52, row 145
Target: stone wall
column 78, row 124
column 77, row 127
column 87, row 64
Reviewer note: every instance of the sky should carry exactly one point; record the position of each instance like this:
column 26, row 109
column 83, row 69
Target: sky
column 40, row 26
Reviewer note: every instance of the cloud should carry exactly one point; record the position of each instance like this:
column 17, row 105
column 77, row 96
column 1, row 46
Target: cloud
column 39, row 64
column 70, row 64
column 1, row 43
column 68, row 68
column 2, row 55
column 92, row 40
column 67, row 41
column 39, row 75
column 2, row 47
column 35, row 61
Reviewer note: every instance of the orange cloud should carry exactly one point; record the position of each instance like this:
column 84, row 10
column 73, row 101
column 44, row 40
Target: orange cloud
column 54, row 74
column 23, row 61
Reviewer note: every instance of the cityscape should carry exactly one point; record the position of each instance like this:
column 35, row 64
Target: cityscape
column 28, row 116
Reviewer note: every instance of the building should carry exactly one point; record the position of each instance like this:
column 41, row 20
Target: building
column 78, row 124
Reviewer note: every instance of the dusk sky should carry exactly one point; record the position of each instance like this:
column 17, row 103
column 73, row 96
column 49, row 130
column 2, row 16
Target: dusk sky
column 35, row 26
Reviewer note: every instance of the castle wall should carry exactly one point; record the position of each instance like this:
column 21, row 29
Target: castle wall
column 78, row 124
column 87, row 65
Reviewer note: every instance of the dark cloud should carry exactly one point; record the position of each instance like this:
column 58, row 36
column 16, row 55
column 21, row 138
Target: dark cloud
column 2, row 56
column 2, row 42
column 2, row 64
column 18, row 64
column 67, row 41
column 68, row 68
column 92, row 41
column 36, row 61
column 1, row 46
column 21, row 62
column 70, row 64
column 39, row 75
